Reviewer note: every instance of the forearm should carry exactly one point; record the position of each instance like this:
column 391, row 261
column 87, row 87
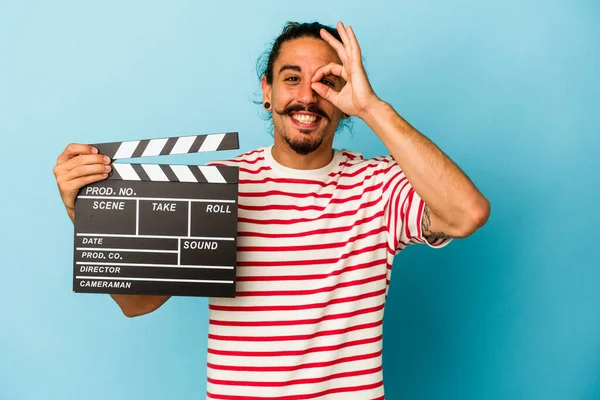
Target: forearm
column 134, row 305
column 446, row 190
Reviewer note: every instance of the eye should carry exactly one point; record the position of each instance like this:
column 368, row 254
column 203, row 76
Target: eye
column 327, row 82
column 292, row 79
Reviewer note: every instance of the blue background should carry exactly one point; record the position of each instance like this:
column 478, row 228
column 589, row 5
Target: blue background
column 508, row 89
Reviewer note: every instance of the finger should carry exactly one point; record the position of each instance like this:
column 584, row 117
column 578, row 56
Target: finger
column 84, row 170
column 66, row 166
column 354, row 44
column 329, row 69
column 86, row 180
column 71, row 188
column 342, row 31
column 75, row 149
column 336, row 44
column 325, row 92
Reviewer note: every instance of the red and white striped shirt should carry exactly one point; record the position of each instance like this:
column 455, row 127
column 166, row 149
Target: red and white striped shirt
column 314, row 258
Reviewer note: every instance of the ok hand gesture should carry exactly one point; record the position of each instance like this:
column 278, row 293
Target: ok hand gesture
column 357, row 95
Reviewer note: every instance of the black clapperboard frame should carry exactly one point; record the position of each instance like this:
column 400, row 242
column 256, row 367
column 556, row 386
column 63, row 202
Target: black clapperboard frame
column 156, row 228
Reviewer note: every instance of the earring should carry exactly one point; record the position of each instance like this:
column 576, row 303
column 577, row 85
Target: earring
column 267, row 105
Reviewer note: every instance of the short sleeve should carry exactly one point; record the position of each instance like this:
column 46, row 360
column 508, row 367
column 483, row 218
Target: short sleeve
column 403, row 210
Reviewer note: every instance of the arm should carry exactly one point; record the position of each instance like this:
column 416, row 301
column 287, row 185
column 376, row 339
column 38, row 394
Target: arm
column 80, row 165
column 454, row 206
column 134, row 305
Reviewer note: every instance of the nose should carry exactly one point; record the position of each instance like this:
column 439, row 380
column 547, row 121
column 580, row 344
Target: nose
column 306, row 94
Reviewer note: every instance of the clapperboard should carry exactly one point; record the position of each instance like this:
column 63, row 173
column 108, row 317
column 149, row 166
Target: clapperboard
column 159, row 229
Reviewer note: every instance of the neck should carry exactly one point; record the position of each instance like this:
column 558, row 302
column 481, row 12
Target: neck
column 284, row 155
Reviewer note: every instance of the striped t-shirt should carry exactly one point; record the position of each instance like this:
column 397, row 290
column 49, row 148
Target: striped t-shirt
column 314, row 258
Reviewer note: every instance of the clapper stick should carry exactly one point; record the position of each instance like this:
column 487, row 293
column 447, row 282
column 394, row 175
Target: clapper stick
column 156, row 228
column 169, row 146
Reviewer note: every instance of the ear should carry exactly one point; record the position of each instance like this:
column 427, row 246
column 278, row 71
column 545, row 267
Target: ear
column 266, row 88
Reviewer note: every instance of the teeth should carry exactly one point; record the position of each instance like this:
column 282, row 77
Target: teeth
column 305, row 119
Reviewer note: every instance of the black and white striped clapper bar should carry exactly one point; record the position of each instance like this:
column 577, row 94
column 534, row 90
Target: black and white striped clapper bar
column 159, row 229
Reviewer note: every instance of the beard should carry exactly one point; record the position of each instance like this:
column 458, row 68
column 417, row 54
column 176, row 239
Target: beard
column 304, row 146
column 307, row 144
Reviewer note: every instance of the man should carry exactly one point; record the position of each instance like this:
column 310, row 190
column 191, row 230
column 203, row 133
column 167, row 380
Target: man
column 317, row 228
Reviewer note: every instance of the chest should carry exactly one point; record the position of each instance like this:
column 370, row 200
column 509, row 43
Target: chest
column 308, row 229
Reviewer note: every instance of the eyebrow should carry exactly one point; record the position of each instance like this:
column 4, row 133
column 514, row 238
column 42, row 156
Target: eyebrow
column 290, row 67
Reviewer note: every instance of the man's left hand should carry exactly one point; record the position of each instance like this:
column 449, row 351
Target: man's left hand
column 357, row 95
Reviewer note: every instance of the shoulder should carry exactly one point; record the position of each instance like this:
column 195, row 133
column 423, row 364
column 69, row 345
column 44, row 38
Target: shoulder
column 355, row 158
column 354, row 161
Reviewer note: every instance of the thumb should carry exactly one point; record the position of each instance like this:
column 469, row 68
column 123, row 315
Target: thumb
column 325, row 92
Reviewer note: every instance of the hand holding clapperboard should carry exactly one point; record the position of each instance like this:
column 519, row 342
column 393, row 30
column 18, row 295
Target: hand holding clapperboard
column 159, row 229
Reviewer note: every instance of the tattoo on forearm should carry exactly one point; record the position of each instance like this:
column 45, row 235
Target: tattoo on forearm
column 438, row 235
column 426, row 225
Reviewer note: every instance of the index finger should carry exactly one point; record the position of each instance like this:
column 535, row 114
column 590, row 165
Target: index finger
column 329, row 69
column 75, row 149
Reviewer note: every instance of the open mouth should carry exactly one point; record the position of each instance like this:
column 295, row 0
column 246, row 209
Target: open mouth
column 305, row 121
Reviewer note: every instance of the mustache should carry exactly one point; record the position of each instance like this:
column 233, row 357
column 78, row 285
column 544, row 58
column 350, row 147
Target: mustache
column 313, row 108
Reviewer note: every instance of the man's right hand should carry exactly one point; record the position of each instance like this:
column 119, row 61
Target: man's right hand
column 80, row 165
column 77, row 166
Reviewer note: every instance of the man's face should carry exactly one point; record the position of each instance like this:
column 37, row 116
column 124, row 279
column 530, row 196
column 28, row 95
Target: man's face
column 302, row 118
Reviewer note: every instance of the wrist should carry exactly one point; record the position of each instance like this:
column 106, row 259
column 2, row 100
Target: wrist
column 71, row 213
column 374, row 110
